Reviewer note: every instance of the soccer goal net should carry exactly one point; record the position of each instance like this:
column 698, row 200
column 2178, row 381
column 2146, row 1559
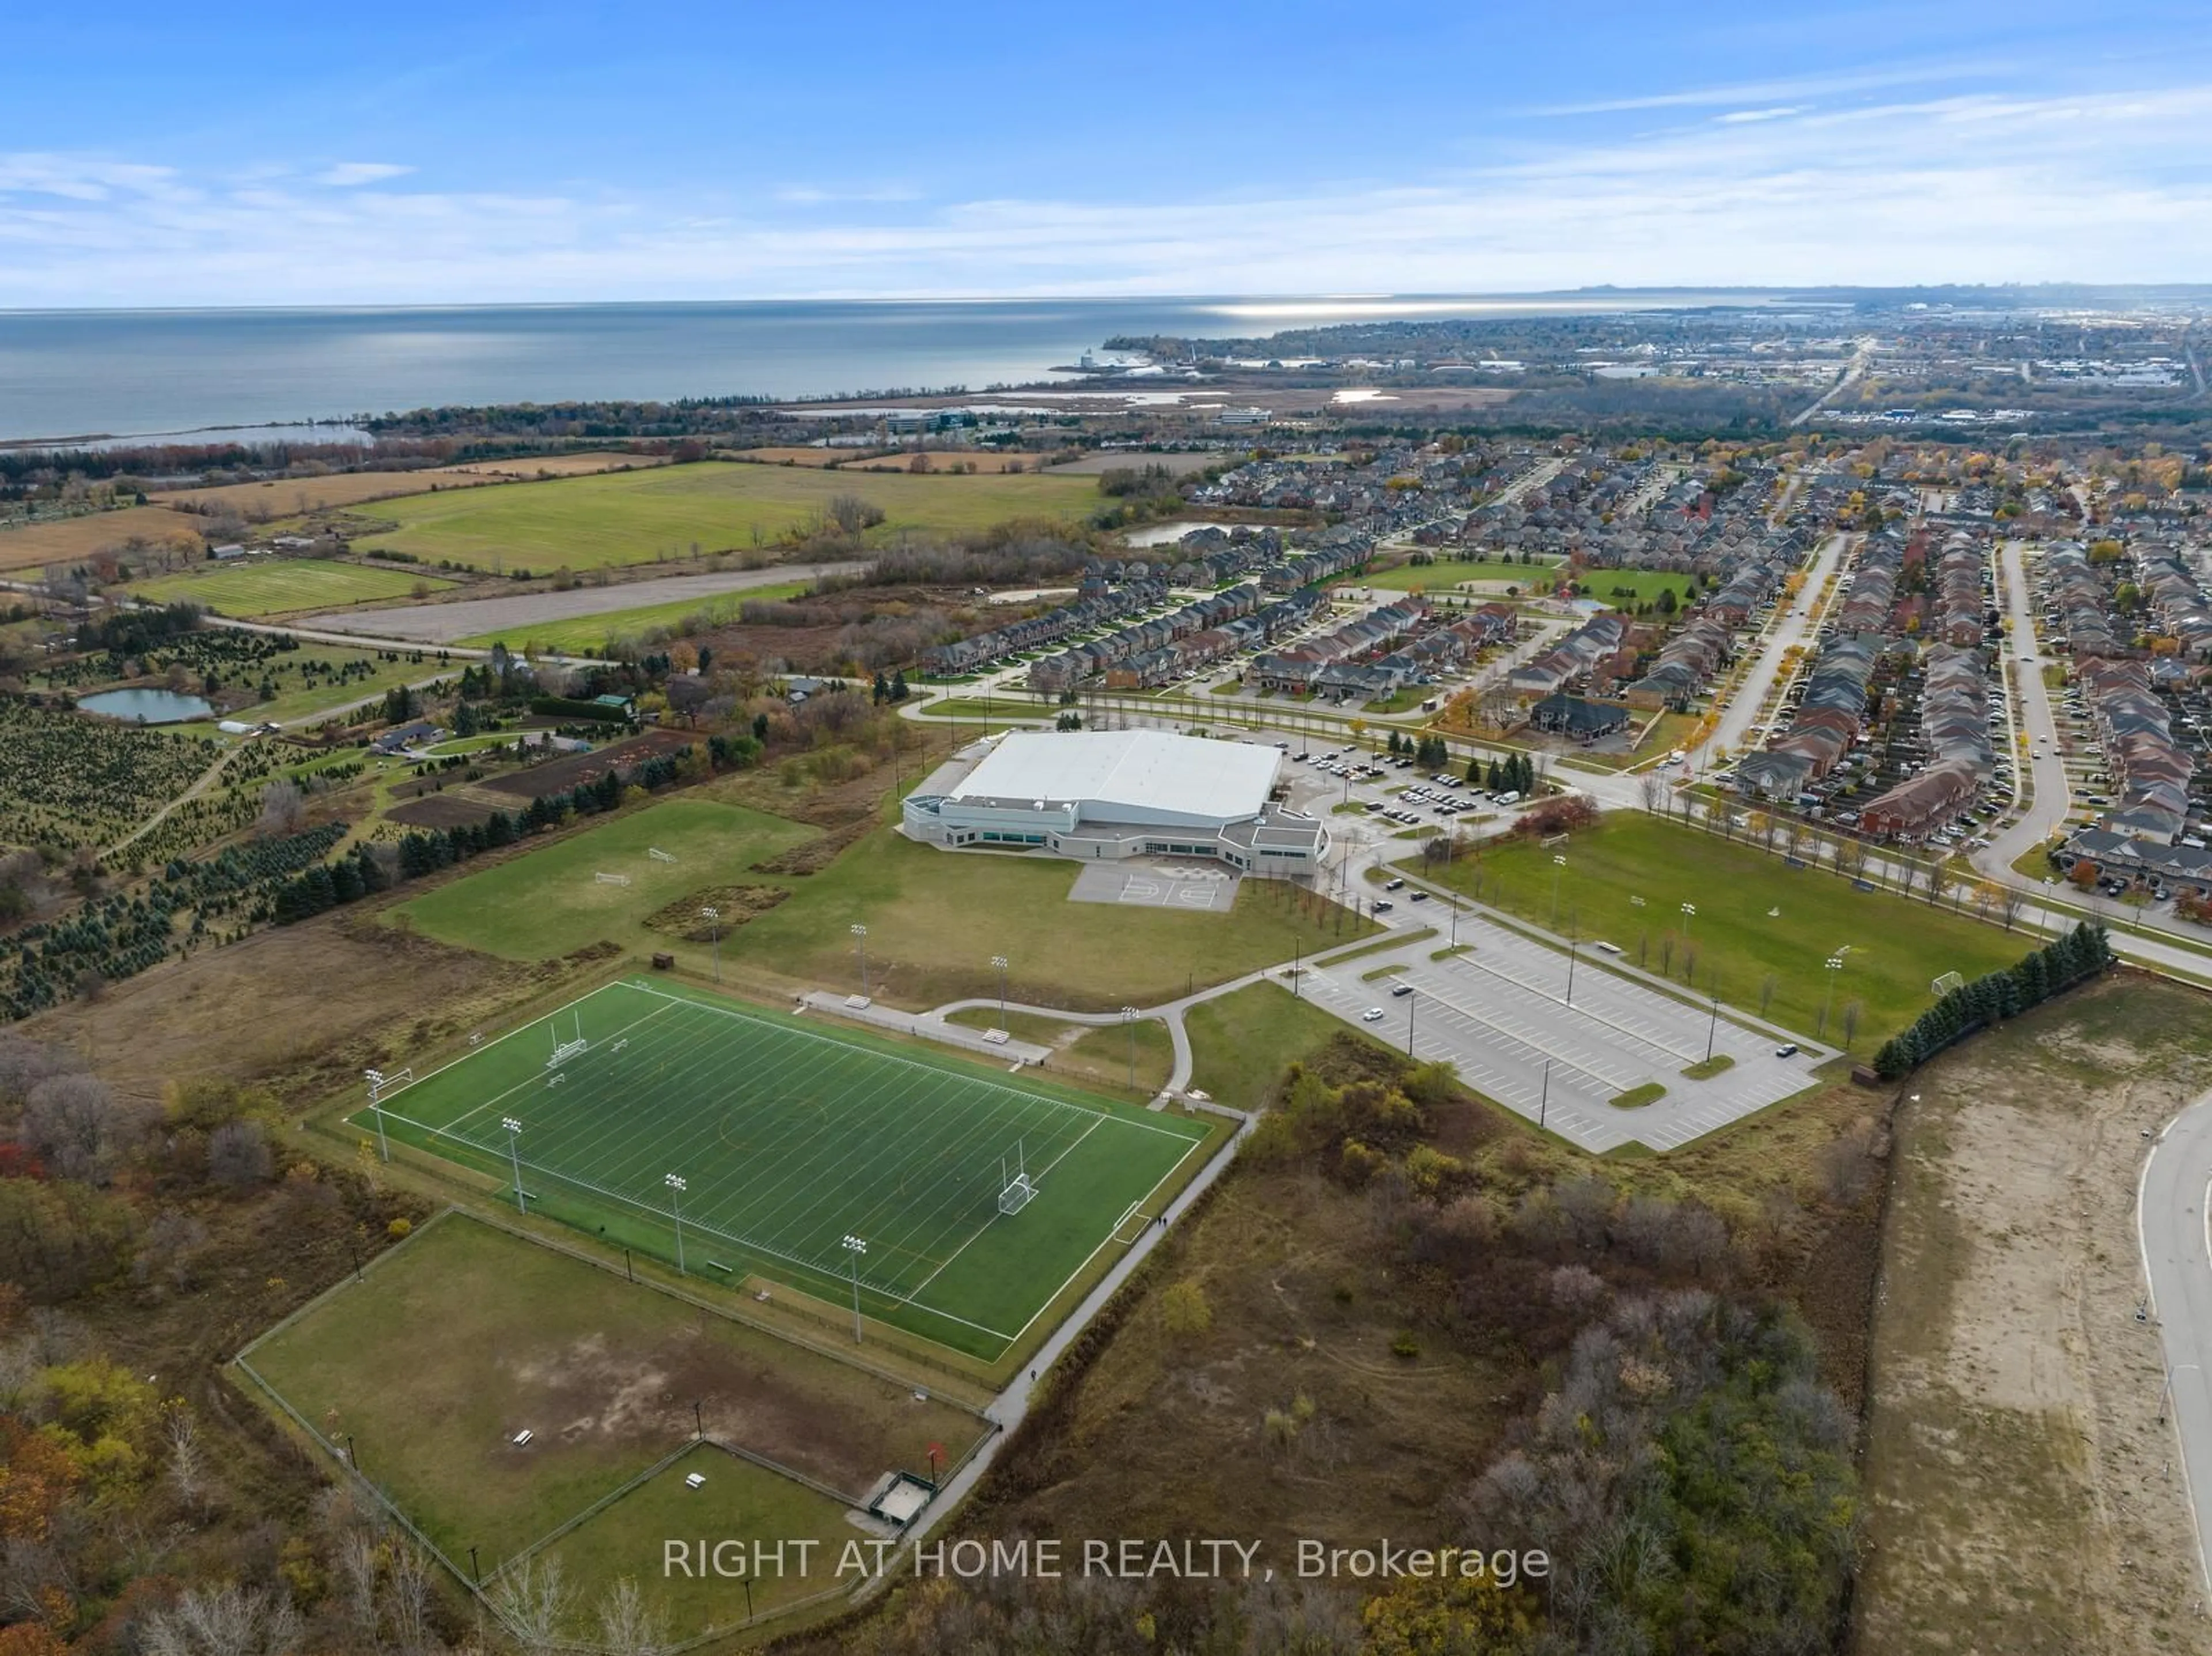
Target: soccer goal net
column 1946, row 983
column 1017, row 1190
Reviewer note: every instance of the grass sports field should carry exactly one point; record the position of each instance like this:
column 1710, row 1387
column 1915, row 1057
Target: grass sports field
column 281, row 588
column 791, row 1138
column 552, row 900
column 628, row 517
column 1757, row 918
column 450, row 1346
column 1443, row 574
column 582, row 635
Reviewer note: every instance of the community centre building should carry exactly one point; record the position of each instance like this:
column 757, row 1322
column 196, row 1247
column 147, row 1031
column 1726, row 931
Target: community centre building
column 1104, row 795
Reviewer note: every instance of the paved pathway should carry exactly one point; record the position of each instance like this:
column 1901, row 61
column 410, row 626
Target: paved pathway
column 2173, row 1220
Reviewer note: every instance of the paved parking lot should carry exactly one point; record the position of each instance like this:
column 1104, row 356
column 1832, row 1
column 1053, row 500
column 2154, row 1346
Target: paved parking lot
column 1499, row 1012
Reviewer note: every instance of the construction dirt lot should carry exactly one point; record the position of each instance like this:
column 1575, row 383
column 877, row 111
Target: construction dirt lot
column 2021, row 1494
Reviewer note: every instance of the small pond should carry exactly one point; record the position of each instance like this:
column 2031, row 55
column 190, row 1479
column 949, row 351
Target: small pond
column 147, row 707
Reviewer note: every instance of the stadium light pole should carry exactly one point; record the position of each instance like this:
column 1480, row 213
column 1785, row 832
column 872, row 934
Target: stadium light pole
column 855, row 1248
column 675, row 1187
column 713, row 916
column 860, row 949
column 1689, row 913
column 999, row 960
column 1835, row 964
column 515, row 1157
column 1129, row 1019
column 376, row 1104
column 1559, row 867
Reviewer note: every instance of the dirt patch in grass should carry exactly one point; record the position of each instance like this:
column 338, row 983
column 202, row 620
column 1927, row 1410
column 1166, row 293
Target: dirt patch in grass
column 2021, row 1495
column 443, row 811
column 562, row 774
column 733, row 906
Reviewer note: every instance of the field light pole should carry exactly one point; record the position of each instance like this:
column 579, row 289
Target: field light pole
column 376, row 1104
column 1689, row 913
column 860, row 949
column 713, row 916
column 1129, row 1020
column 855, row 1247
column 676, row 1188
column 999, row 960
column 514, row 1156
column 1835, row 964
column 1559, row 867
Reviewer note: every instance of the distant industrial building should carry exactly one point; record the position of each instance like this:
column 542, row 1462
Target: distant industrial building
column 1106, row 794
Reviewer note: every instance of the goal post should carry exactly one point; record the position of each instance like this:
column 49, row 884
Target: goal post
column 1017, row 1190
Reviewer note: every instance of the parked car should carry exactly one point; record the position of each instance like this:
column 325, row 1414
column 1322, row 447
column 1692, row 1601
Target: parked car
column 1788, row 1049
column 1372, row 1015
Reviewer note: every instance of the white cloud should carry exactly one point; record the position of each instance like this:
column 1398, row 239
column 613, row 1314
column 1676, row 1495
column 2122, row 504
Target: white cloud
column 2090, row 187
column 1745, row 117
column 347, row 175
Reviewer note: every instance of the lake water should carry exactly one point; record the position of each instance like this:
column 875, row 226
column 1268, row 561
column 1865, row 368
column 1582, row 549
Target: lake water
column 147, row 707
column 93, row 374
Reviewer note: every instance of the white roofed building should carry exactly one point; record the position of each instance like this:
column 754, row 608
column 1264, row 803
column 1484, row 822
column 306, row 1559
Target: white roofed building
column 1104, row 795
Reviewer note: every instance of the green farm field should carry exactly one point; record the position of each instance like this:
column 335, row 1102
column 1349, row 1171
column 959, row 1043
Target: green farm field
column 593, row 634
column 1756, row 917
column 249, row 591
column 641, row 516
column 469, row 1334
column 551, row 900
column 789, row 1137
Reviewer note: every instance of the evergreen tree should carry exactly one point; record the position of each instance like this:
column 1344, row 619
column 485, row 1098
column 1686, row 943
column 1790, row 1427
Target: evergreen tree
column 899, row 691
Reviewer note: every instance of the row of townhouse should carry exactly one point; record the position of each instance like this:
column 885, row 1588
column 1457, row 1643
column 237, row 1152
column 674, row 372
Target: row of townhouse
column 1829, row 715
column 1324, row 557
column 1870, row 600
column 1687, row 663
column 1955, row 723
column 2150, row 769
column 2166, row 579
column 1299, row 668
column 1574, row 659
column 1058, row 673
column 1960, row 583
column 1211, row 555
column 2074, row 602
column 2174, row 867
column 1097, row 606
column 1420, row 659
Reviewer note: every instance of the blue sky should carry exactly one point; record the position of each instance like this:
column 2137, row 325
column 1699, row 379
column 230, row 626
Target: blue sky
column 242, row 154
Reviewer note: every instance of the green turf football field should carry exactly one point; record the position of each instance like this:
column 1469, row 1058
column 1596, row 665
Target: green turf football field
column 789, row 1139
